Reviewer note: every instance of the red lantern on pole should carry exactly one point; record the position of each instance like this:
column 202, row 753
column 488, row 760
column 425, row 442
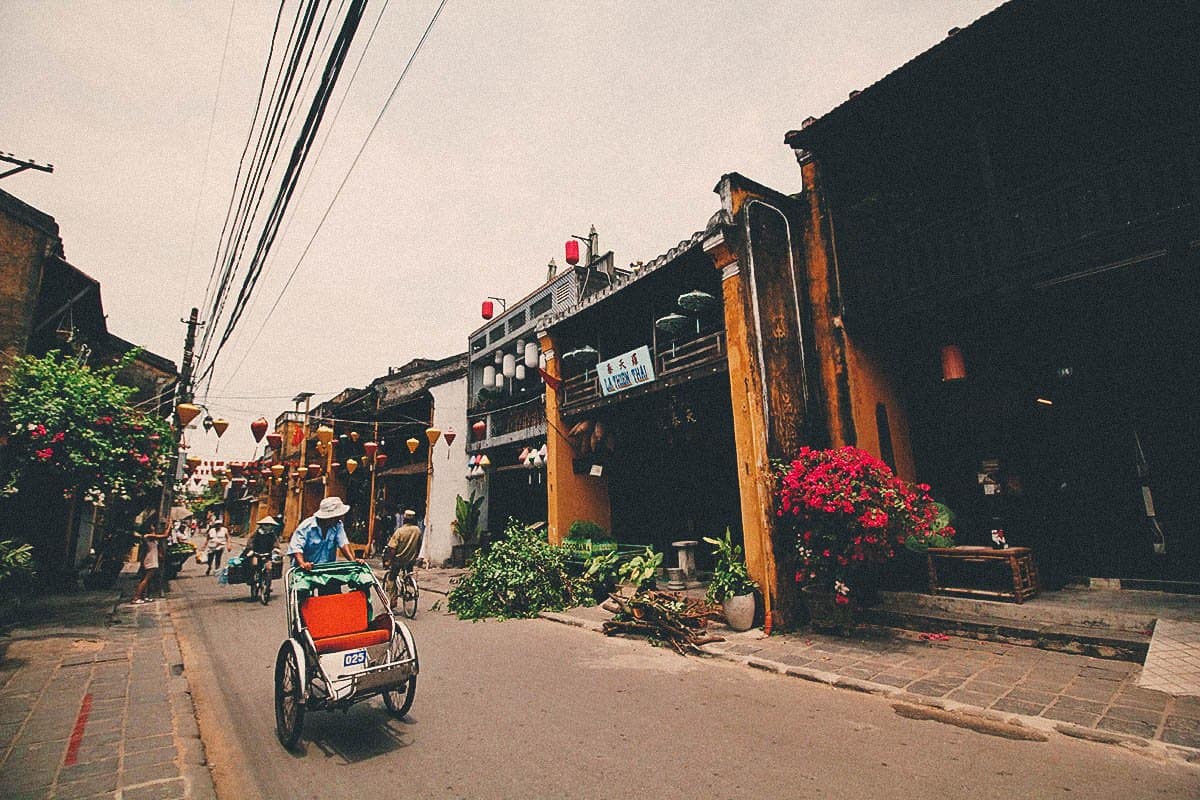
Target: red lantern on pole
column 489, row 310
column 449, row 436
column 572, row 252
column 369, row 449
column 380, row 460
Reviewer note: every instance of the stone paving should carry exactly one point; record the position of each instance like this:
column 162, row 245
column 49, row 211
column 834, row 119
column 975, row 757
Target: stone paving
column 99, row 709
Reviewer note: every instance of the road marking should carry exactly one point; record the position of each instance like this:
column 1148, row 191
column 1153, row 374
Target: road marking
column 85, row 709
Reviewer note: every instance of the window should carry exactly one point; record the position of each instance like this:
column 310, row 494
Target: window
column 540, row 306
column 496, row 334
column 516, row 321
column 479, row 344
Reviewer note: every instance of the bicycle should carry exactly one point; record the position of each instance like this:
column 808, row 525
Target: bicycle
column 260, row 580
column 403, row 587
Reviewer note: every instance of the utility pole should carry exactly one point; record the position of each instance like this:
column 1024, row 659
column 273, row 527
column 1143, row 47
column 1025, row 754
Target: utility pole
column 183, row 394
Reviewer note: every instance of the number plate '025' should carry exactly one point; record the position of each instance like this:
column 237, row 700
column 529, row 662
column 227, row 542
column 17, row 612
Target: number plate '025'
column 357, row 657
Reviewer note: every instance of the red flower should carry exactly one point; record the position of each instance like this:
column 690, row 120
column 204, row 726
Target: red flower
column 841, row 599
column 45, row 454
column 58, row 437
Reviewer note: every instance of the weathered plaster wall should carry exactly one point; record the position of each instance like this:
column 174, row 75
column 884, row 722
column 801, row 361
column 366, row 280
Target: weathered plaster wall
column 448, row 470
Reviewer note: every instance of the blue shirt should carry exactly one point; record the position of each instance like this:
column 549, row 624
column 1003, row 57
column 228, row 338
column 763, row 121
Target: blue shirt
column 317, row 547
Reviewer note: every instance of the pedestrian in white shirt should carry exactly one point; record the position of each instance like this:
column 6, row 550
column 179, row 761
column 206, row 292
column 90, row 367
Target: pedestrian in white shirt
column 217, row 542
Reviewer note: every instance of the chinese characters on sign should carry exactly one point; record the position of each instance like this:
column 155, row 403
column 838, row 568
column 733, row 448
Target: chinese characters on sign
column 626, row 371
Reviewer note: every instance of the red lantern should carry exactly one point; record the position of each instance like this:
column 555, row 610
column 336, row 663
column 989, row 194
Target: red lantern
column 489, row 309
column 369, row 449
column 275, row 440
column 479, row 429
column 380, row 460
column 259, row 428
column 572, row 248
column 449, row 436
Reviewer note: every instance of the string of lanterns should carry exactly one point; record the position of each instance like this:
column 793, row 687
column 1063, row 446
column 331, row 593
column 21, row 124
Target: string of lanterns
column 517, row 366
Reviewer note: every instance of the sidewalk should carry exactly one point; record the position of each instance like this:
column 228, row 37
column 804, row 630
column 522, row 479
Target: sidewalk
column 93, row 703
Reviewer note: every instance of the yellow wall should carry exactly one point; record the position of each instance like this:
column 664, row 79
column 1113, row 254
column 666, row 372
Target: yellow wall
column 568, row 496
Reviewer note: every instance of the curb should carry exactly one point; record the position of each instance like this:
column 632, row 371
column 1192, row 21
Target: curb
column 952, row 712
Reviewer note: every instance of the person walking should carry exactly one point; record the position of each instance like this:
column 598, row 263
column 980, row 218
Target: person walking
column 216, row 543
column 148, row 557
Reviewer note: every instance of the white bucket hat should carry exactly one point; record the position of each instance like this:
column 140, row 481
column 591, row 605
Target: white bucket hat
column 331, row 508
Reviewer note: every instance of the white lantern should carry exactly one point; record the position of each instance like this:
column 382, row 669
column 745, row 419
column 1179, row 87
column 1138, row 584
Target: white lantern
column 520, row 347
column 499, row 357
column 531, row 355
column 510, row 365
column 499, row 380
column 542, row 360
column 520, row 372
column 489, row 376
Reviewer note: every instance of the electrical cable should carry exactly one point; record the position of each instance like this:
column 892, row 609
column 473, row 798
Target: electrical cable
column 354, row 163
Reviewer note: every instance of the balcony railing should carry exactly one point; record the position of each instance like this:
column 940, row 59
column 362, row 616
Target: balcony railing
column 672, row 360
column 523, row 420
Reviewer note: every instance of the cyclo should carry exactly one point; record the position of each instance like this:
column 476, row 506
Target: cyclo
column 344, row 645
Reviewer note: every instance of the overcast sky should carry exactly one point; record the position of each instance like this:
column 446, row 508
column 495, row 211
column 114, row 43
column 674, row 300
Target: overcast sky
column 519, row 124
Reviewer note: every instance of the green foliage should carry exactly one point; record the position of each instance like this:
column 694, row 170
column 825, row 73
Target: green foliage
column 585, row 529
column 942, row 521
column 518, row 576
column 16, row 563
column 210, row 498
column 466, row 517
column 641, row 569
column 76, row 427
column 600, row 574
column 730, row 577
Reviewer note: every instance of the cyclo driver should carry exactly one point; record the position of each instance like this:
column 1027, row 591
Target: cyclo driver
column 318, row 539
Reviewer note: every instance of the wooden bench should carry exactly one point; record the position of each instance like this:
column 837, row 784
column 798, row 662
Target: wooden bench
column 1017, row 560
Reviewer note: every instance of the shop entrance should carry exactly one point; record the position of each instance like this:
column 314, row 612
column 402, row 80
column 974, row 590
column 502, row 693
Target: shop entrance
column 515, row 492
column 1076, row 395
column 672, row 474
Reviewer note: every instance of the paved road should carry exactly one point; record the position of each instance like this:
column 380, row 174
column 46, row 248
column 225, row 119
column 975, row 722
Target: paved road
column 534, row 709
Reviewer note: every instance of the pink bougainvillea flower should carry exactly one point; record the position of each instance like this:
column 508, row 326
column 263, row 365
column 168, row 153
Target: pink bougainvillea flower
column 45, row 454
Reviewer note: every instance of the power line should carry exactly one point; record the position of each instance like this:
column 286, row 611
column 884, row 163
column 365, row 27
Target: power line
column 342, row 185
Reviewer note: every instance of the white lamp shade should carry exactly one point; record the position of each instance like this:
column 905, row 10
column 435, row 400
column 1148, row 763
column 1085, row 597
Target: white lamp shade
column 510, row 365
column 520, row 372
column 489, row 376
column 499, row 380
column 531, row 355
column 542, row 360
column 520, row 347
column 499, row 357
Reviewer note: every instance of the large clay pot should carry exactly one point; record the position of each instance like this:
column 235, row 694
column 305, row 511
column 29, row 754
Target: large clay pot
column 739, row 612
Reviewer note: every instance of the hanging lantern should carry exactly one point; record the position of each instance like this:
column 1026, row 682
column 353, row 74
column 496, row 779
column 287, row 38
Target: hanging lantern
column 186, row 412
column 354, row 436
column 433, row 434
column 235, row 468
column 478, row 428
column 488, row 310
column 489, row 376
column 334, row 467
column 499, row 358
column 369, row 450
column 380, row 460
column 499, row 380
column 541, row 361
column 571, row 249
column 220, row 425
column 212, row 481
column 265, row 472
column 314, row 470
column 509, row 368
column 413, row 444
column 208, row 423
column 530, row 460
column 277, row 471
column 325, row 435
column 484, row 461
column 953, row 366
column 531, row 355
column 538, row 460
column 520, row 371
column 344, row 439
column 351, row 465
column 524, row 455
column 275, row 441
column 258, row 428
column 450, row 436
column 520, row 348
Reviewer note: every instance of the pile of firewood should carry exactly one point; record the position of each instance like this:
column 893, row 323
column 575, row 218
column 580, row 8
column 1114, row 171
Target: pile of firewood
column 681, row 622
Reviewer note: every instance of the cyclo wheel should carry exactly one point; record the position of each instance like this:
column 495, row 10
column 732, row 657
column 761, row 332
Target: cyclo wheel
column 409, row 595
column 399, row 701
column 289, row 702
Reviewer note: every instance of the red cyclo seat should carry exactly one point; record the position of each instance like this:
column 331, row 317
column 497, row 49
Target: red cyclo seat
column 339, row 622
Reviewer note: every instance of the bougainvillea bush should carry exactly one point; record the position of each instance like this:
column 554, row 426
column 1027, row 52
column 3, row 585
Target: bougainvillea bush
column 75, row 428
column 846, row 509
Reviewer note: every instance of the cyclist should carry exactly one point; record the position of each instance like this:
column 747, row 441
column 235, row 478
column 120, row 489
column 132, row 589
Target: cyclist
column 402, row 550
column 261, row 543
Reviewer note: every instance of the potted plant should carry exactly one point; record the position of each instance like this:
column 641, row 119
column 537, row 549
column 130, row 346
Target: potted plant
column 731, row 586
column 466, row 527
column 847, row 511
column 637, row 574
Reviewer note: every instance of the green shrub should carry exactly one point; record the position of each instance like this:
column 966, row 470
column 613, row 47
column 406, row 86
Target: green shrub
column 730, row 577
column 518, row 576
column 585, row 529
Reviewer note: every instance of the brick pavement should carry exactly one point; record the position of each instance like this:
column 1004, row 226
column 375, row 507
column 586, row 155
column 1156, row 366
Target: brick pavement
column 99, row 707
